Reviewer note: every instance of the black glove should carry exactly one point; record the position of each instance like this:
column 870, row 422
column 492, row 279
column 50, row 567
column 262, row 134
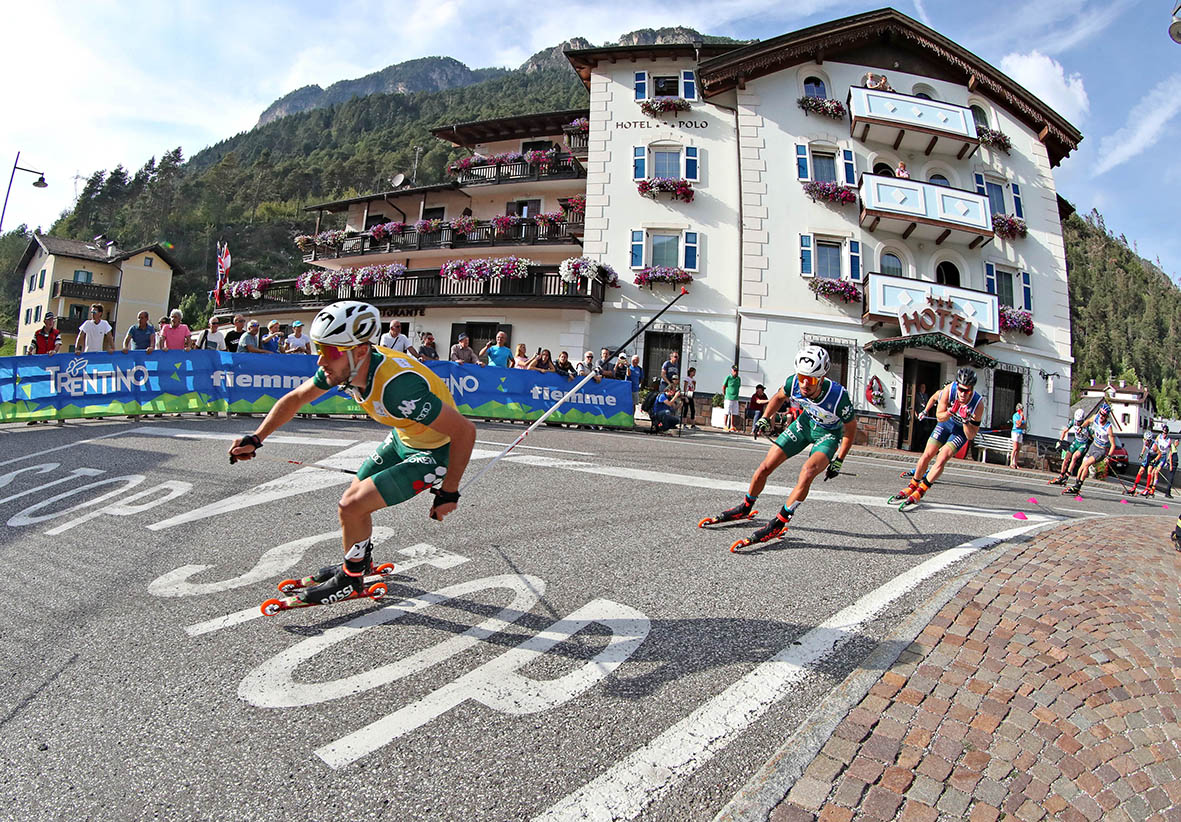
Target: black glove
column 442, row 498
column 251, row 440
column 833, row 470
column 763, row 426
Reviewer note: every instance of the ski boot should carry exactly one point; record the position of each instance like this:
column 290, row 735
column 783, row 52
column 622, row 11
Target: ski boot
column 904, row 493
column 1058, row 480
column 372, row 574
column 348, row 581
column 772, row 530
column 1073, row 490
column 913, row 498
column 740, row 511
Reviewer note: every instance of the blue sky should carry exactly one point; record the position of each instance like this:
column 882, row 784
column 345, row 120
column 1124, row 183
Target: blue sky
column 92, row 84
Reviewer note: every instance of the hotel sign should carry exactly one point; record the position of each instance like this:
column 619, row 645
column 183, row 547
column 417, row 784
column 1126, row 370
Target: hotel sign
column 661, row 123
column 933, row 307
column 940, row 315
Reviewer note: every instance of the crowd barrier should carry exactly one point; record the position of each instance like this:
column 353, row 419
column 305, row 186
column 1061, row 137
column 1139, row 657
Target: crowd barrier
column 71, row 386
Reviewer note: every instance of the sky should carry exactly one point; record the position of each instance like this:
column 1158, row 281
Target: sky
column 89, row 85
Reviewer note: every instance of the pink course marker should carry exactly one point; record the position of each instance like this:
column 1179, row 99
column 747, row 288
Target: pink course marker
column 1033, row 500
column 1165, row 506
column 1020, row 515
column 1078, row 499
column 1123, row 502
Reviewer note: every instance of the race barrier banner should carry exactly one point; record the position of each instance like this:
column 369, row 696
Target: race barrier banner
column 71, row 386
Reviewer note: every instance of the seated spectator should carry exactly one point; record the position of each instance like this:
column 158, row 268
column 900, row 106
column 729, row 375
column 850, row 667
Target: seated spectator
column 665, row 413
column 542, row 362
column 176, row 335
column 462, row 351
column 211, row 338
column 249, row 343
column 521, row 360
column 273, row 338
column 234, row 335
column 427, row 350
column 587, row 366
column 297, row 341
column 498, row 352
column 758, row 402
column 564, row 367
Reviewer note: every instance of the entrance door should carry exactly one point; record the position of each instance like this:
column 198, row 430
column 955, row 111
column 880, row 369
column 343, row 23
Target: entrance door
column 657, row 346
column 1006, row 393
column 920, row 379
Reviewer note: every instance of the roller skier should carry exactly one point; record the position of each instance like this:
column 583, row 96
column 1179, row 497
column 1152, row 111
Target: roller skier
column 1101, row 447
column 1080, row 437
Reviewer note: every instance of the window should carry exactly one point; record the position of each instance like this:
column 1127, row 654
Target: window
column 32, row 281
column 839, row 355
column 939, row 180
column 801, row 161
column 83, row 276
column 147, row 262
column 37, row 314
column 828, row 260
column 922, row 95
column 891, row 265
column 806, row 254
column 980, row 116
column 666, row 250
column 688, row 85
column 1127, row 419
column 1017, row 209
column 850, row 168
column 666, row 162
column 41, row 279
column 824, row 166
column 947, row 274
column 691, row 163
column 435, row 213
column 1004, row 287
column 666, row 85
column 641, row 85
column 28, row 315
column 885, row 169
column 996, row 196
column 855, row 260
column 637, row 249
column 814, row 87
column 639, row 163
column 78, row 312
column 523, row 208
column 924, row 92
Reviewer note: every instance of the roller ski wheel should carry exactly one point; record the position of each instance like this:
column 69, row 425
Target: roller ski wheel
column 1057, row 481
column 377, row 591
column 1072, row 491
column 771, row 532
column 907, row 504
column 717, row 520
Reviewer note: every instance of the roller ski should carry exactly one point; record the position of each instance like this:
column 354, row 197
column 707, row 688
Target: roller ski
column 742, row 511
column 376, row 574
column 773, row 530
column 910, row 496
column 1073, row 490
column 1058, row 480
column 376, row 591
column 355, row 579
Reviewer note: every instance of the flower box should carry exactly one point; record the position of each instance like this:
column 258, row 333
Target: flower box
column 662, row 274
column 333, row 238
column 428, row 226
column 1008, row 227
column 574, row 268
column 822, row 105
column 679, row 189
column 578, row 126
column 843, row 290
column 502, row 223
column 1016, row 319
column 486, row 269
column 247, row 289
column 832, row 192
column 994, row 139
column 464, row 225
column 663, row 105
column 383, row 230
column 549, row 218
column 319, row 281
column 576, row 205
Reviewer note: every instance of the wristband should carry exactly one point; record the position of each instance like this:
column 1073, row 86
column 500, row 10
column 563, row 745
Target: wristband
column 250, row 439
column 442, row 498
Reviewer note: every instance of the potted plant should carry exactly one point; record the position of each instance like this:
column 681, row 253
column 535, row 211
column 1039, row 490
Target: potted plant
column 502, row 223
column 653, row 274
column 663, row 105
column 717, row 413
column 1008, row 227
column 1016, row 319
column 822, row 105
column 994, row 139
column 678, row 188
column 836, row 289
column 829, row 191
column 464, row 225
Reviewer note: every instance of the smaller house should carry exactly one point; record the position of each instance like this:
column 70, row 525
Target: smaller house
column 1132, row 405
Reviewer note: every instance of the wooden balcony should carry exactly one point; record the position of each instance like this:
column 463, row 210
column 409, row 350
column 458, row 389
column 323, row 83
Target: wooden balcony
column 578, row 143
column 912, row 124
column 484, row 236
column 924, row 210
column 561, row 167
column 543, row 288
column 86, row 291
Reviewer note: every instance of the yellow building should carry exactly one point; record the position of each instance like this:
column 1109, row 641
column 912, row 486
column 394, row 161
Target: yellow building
column 67, row 276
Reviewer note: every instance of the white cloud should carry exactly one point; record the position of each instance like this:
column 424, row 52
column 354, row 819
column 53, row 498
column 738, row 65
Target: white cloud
column 1145, row 124
column 921, row 10
column 1046, row 78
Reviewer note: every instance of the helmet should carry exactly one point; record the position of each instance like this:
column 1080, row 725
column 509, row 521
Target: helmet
column 812, row 361
column 1104, row 409
column 1079, row 414
column 1147, row 436
column 346, row 324
column 966, row 376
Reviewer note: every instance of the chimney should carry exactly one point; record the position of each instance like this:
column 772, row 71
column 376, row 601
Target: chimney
column 112, row 249
column 1123, row 383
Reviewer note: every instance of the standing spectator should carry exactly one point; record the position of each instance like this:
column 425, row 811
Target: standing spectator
column 46, row 339
column 498, row 353
column 587, row 366
column 606, row 364
column 248, row 343
column 236, row 333
column 161, row 324
column 564, row 367
column 901, row 172
column 542, row 362
column 1172, row 466
column 297, row 341
column 730, row 390
column 664, row 412
column 622, row 372
column 1018, row 435
column 273, row 338
column 688, row 388
column 427, row 350
column 395, row 340
column 637, row 379
column 521, row 360
column 212, row 339
column 176, row 336
column 670, row 369
column 462, row 351
column 94, row 335
column 758, row 402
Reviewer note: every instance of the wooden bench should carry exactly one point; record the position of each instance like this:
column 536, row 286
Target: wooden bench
column 993, row 442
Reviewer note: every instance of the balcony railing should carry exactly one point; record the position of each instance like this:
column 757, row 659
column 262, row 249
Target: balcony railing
column 561, row 167
column 543, row 288
column 86, row 291
column 484, row 236
column 886, row 295
column 578, row 142
column 925, row 210
column 913, row 124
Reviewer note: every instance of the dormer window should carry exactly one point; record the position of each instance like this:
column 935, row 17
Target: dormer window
column 147, row 262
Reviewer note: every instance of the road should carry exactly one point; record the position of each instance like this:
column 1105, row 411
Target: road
column 567, row 645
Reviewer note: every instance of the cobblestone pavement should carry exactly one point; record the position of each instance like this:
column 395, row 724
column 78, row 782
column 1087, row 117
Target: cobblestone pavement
column 1046, row 688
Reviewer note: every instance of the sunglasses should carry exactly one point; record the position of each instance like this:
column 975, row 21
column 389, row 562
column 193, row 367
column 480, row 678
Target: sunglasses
column 332, row 352
column 806, row 381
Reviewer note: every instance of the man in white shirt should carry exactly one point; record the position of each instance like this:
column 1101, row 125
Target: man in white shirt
column 297, row 341
column 212, row 338
column 395, row 340
column 94, row 335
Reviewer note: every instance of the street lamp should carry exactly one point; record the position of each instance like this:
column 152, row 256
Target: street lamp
column 39, row 183
column 1175, row 27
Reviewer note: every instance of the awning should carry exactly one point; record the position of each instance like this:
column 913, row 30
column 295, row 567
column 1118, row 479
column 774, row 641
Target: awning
column 936, row 342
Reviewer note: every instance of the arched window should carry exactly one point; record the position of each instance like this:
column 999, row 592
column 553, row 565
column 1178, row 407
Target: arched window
column 923, row 95
column 980, row 116
column 883, row 168
column 939, row 180
column 922, row 90
column 814, row 87
column 947, row 274
column 891, row 265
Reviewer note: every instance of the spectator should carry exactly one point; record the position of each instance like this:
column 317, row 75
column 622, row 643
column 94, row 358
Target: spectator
column 47, row 339
column 543, row 362
column 297, row 341
column 161, row 324
column 395, row 340
column 1018, row 435
column 877, row 82
column 94, row 335
column 248, row 343
column 273, row 339
column 664, row 413
column 587, row 366
column 234, row 335
column 606, row 364
column 564, row 367
column 176, row 336
column 636, row 376
column 212, row 339
column 462, row 351
column 521, row 360
column 427, row 350
column 688, row 410
column 758, row 402
column 901, row 172
column 498, row 353
column 622, row 372
column 670, row 369
column 730, row 390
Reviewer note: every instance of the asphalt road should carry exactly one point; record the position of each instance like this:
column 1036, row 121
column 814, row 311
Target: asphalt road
column 567, row 645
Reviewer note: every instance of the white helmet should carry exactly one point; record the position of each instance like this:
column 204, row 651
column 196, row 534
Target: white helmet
column 812, row 361
column 1079, row 414
column 346, row 324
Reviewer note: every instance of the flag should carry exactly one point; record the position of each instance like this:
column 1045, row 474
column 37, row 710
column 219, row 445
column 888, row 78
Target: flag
column 223, row 271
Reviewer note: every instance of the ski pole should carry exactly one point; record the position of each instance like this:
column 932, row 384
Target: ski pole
column 257, row 456
column 568, row 394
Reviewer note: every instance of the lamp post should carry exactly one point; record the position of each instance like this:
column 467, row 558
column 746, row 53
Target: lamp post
column 39, row 183
column 1175, row 27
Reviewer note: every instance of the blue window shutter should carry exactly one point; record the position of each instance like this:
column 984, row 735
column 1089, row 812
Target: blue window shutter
column 691, row 250
column 1026, row 291
column 41, row 279
column 854, row 261
column 691, row 163
column 990, row 278
column 639, row 162
column 32, row 281
column 637, row 260
column 802, row 161
column 806, row 254
column 980, row 189
column 641, row 81
column 850, row 171
column 1017, row 210
column 28, row 315
column 688, row 85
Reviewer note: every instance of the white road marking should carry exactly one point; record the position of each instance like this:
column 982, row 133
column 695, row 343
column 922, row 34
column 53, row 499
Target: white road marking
column 626, row 789
column 503, row 445
column 43, row 451
column 273, row 439
column 297, row 482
